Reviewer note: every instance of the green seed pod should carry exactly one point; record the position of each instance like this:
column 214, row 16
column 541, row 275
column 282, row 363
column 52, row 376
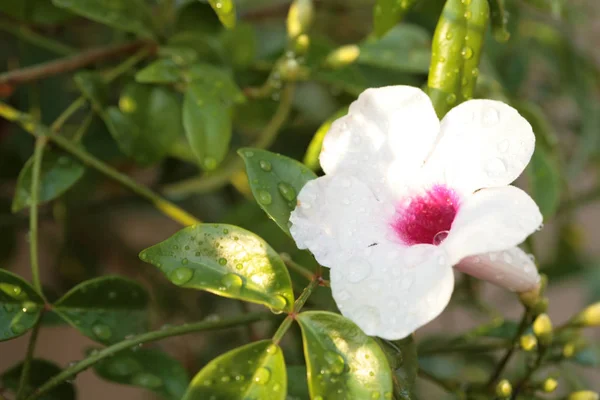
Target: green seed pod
column 584, row 395
column 299, row 18
column 456, row 51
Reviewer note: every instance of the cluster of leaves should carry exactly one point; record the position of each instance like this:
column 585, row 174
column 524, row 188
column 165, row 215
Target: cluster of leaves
column 176, row 103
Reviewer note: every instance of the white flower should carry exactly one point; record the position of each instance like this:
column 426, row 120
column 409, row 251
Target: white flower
column 406, row 197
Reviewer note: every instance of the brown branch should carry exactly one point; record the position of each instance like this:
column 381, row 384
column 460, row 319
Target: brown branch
column 71, row 63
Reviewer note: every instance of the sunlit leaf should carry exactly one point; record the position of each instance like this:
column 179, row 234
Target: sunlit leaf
column 146, row 123
column 160, row 71
column 40, row 371
column 311, row 158
column 388, row 13
column 225, row 10
column 128, row 15
column 150, row 369
column 58, row 173
column 225, row 260
column 106, row 309
column 253, row 371
column 544, row 174
column 275, row 181
column 20, row 305
column 343, row 362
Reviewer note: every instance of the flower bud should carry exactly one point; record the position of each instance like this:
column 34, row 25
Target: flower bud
column 528, row 342
column 301, row 44
column 530, row 298
column 568, row 350
column 299, row 18
column 503, row 389
column 541, row 306
column 588, row 317
column 342, row 56
column 550, row 385
column 542, row 327
column 583, row 395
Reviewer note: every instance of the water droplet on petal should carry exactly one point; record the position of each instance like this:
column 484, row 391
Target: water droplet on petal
column 440, row 237
column 180, row 276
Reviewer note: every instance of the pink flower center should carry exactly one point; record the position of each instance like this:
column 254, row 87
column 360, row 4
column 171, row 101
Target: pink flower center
column 426, row 219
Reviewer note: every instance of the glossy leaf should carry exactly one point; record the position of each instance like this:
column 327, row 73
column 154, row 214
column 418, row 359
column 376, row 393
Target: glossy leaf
column 544, row 175
column 388, row 13
column 224, row 260
column 405, row 48
column 150, row 369
column 297, row 383
column 106, row 309
column 254, row 371
column 57, row 174
column 275, row 181
column 457, row 44
column 146, row 123
column 225, row 10
column 130, row 15
column 404, row 362
column 207, row 113
column 20, row 305
column 160, row 71
column 40, row 371
column 311, row 158
column 342, row 362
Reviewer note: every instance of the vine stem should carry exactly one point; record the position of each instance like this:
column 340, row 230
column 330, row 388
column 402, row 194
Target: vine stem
column 298, row 304
column 28, row 123
column 28, row 357
column 84, row 364
column 38, row 154
column 31, row 36
column 235, row 163
column 538, row 362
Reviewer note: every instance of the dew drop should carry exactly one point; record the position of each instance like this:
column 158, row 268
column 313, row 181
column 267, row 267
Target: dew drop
column 262, row 376
column 222, row 261
column 451, row 98
column 180, row 276
column 278, row 304
column 232, row 282
column 101, row 331
column 440, row 237
column 495, row 167
column 147, row 380
column 272, row 349
column 287, row 191
column 264, row 197
column 467, row 52
column 184, row 261
column 449, row 35
column 265, row 165
column 335, row 361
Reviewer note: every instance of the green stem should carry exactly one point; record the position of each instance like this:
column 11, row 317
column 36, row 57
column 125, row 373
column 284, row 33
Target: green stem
column 30, row 125
column 83, row 127
column 298, row 304
column 530, row 371
column 67, row 113
column 28, row 357
column 299, row 269
column 234, row 163
column 38, row 154
column 82, row 365
column 28, row 35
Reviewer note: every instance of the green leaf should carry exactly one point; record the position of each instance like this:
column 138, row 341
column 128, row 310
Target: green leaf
column 128, row 15
column 57, row 174
column 225, row 260
column 388, row 13
column 150, row 369
column 254, row 371
column 160, row 71
column 40, row 372
column 403, row 359
column 147, row 122
column 275, row 181
column 311, row 158
column 405, row 48
column 20, row 305
column 106, row 309
column 92, row 86
column 207, row 113
column 343, row 362
column 225, row 10
column 544, row 174
column 297, row 383
column 240, row 45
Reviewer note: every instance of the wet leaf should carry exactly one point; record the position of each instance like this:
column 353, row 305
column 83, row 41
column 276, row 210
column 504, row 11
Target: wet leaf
column 275, row 181
column 253, row 371
column 342, row 362
column 387, row 13
column 106, row 309
column 20, row 305
column 40, row 371
column 225, row 10
column 311, row 158
column 225, row 260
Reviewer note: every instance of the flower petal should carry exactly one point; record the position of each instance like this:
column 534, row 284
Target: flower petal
column 482, row 143
column 393, row 123
column 389, row 290
column 512, row 269
column 492, row 220
column 337, row 214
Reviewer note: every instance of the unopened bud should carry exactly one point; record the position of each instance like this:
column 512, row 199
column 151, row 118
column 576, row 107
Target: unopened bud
column 584, row 395
column 550, row 385
column 342, row 56
column 530, row 298
column 542, row 327
column 588, row 317
column 568, row 350
column 503, row 389
column 541, row 306
column 301, row 44
column 299, row 18
column 528, row 342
